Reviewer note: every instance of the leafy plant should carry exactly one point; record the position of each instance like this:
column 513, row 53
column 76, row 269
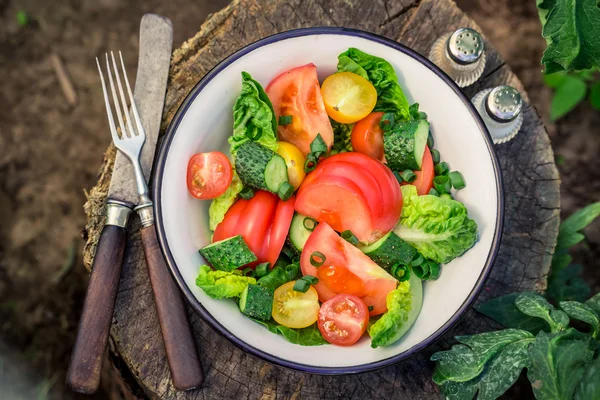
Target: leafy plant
column 570, row 89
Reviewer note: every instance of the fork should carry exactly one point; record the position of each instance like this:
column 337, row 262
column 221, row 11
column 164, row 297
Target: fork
column 186, row 371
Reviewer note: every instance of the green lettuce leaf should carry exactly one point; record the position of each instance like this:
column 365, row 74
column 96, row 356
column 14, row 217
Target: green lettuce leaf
column 221, row 284
column 381, row 74
column 439, row 228
column 572, row 32
column 309, row 336
column 404, row 306
column 253, row 117
column 219, row 206
column 342, row 134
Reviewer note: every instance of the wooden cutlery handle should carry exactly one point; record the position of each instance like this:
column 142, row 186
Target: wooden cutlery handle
column 184, row 363
column 86, row 361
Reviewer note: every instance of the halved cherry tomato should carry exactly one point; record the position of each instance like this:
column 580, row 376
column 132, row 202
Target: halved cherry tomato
column 208, row 175
column 294, row 159
column 348, row 97
column 297, row 93
column 295, row 309
column 367, row 136
column 343, row 319
column 345, row 257
column 263, row 221
column 424, row 181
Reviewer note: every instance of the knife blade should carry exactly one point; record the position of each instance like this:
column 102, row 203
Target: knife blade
column 156, row 38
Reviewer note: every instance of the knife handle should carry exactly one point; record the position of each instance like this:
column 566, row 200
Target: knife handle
column 86, row 361
column 186, row 371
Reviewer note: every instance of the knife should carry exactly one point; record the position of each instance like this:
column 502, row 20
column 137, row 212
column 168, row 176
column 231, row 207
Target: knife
column 156, row 38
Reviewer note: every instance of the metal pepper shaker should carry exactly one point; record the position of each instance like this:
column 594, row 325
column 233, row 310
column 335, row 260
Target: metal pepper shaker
column 460, row 54
column 501, row 110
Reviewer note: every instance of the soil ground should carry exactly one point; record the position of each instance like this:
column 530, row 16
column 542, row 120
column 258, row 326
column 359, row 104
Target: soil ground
column 50, row 153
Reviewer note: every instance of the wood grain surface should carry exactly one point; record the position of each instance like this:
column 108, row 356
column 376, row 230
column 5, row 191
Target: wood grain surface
column 531, row 186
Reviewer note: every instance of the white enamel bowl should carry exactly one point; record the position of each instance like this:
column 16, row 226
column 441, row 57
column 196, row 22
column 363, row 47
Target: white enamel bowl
column 204, row 122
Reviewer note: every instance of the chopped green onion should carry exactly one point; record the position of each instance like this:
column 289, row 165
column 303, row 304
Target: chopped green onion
column 317, row 259
column 401, row 272
column 311, row 163
column 457, row 180
column 433, row 192
column 247, row 193
column 446, row 196
column 422, row 115
column 429, row 270
column 442, row 168
column 333, row 152
column 292, row 270
column 262, row 269
column 371, row 308
column 442, row 184
column 286, row 190
column 430, row 141
column 418, row 260
column 398, row 177
column 422, row 271
column 313, row 280
column 408, row 175
column 318, row 146
column 301, row 286
column 281, row 263
column 310, row 223
column 248, row 272
column 285, row 120
column 387, row 121
column 288, row 252
column 349, row 236
column 434, row 270
column 435, row 155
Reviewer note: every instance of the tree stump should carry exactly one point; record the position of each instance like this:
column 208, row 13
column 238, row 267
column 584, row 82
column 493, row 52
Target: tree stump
column 531, row 186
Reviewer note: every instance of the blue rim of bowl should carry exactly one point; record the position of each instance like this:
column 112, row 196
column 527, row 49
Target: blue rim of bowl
column 162, row 157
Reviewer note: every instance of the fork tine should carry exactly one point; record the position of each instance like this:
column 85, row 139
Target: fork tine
column 111, row 120
column 116, row 100
column 127, row 115
column 138, row 121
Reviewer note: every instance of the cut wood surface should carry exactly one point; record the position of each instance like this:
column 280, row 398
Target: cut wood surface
column 531, row 186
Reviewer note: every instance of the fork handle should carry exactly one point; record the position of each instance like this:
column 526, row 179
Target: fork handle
column 186, row 371
column 86, row 361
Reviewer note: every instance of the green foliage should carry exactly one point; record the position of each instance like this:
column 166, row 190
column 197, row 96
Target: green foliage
column 222, row 284
column 220, row 205
column 387, row 328
column 504, row 311
column 22, row 18
column 309, row 336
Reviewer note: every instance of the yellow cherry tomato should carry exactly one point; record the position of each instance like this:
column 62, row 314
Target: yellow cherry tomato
column 348, row 97
column 295, row 309
column 294, row 160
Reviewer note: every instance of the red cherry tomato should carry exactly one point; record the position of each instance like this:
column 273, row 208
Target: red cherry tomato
column 296, row 92
column 208, row 175
column 424, row 181
column 367, row 136
column 343, row 319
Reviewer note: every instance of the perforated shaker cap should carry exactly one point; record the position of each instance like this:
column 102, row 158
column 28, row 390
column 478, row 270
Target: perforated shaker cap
column 465, row 46
column 504, row 103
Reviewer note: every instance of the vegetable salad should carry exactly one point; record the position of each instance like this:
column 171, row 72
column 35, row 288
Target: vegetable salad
column 334, row 208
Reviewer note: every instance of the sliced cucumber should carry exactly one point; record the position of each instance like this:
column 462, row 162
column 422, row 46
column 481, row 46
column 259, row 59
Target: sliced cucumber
column 389, row 251
column 404, row 145
column 299, row 232
column 260, row 168
column 257, row 302
column 228, row 254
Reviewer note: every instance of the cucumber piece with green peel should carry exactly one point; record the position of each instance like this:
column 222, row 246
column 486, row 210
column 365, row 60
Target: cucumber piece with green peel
column 260, row 168
column 404, row 145
column 299, row 231
column 257, row 302
column 228, row 254
column 389, row 251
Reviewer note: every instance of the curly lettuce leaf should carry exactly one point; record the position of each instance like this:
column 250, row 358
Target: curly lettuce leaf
column 222, row 284
column 381, row 74
column 253, row 117
column 572, row 33
column 439, row 228
column 219, row 206
column 309, row 336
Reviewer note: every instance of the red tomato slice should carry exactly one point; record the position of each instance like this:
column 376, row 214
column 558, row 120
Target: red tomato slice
column 344, row 256
column 424, row 181
column 367, row 136
column 339, row 202
column 278, row 231
column 254, row 223
column 227, row 227
column 296, row 92
column 208, row 175
column 343, row 319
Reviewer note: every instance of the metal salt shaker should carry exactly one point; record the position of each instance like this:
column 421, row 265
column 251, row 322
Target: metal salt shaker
column 501, row 110
column 461, row 55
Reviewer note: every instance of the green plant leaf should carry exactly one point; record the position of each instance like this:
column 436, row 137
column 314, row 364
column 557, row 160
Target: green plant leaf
column 589, row 386
column 567, row 96
column 502, row 372
column 309, row 336
column 560, row 260
column 560, row 318
column 577, row 221
column 504, row 311
column 572, row 33
column 535, row 305
column 555, row 80
column 582, row 312
column 594, row 303
column 595, row 95
column 567, row 284
column 459, row 390
column 558, row 362
column 22, row 18
column 570, row 239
